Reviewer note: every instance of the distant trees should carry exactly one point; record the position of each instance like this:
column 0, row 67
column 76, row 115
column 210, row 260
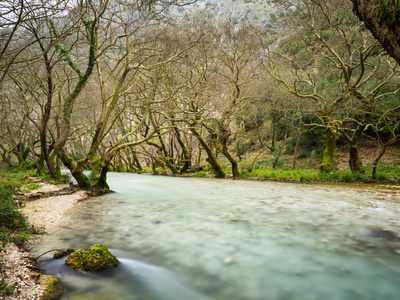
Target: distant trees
column 332, row 61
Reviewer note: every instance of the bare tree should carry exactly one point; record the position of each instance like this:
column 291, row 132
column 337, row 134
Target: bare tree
column 333, row 65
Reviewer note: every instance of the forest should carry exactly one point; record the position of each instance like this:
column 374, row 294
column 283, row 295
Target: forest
column 170, row 87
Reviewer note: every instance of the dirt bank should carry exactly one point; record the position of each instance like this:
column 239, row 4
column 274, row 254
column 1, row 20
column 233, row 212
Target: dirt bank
column 46, row 213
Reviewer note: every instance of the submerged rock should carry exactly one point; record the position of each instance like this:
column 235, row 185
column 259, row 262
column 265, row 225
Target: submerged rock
column 63, row 253
column 52, row 287
column 385, row 234
column 95, row 258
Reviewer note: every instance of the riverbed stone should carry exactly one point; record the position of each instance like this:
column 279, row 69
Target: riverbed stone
column 95, row 258
column 52, row 287
column 62, row 253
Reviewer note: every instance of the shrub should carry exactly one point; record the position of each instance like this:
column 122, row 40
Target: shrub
column 200, row 174
column 348, row 177
column 333, row 176
column 305, row 177
column 379, row 177
column 10, row 217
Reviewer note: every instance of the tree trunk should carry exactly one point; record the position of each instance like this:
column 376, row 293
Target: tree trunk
column 295, row 149
column 40, row 169
column 3, row 154
column 198, row 157
column 70, row 99
column 45, row 155
column 136, row 161
column 154, row 166
column 218, row 172
column 354, row 161
column 281, row 148
column 382, row 152
column 19, row 153
column 101, row 182
column 185, row 152
column 376, row 161
column 75, row 169
column 56, row 162
column 238, row 149
column 164, row 152
column 225, row 151
column 328, row 160
column 382, row 18
column 272, row 148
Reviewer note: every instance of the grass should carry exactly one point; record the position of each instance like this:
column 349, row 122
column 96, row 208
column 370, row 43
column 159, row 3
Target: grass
column 307, row 175
column 262, row 171
column 14, row 227
column 200, row 174
column 301, row 175
column 17, row 180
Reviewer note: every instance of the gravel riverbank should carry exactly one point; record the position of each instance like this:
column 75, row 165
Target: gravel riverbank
column 46, row 213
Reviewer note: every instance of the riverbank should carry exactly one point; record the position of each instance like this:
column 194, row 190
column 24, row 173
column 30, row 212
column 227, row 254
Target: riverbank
column 44, row 213
column 259, row 167
column 391, row 177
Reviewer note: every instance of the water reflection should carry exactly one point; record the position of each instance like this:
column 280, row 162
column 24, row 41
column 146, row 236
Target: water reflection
column 187, row 238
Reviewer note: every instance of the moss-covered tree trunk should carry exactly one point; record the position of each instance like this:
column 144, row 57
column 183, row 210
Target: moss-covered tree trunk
column 166, row 159
column 328, row 160
column 225, row 151
column 4, row 155
column 101, row 182
column 57, row 165
column 136, row 161
column 382, row 18
column 218, row 171
column 355, row 162
column 69, row 101
column 198, row 156
column 185, row 152
column 76, row 169
column 40, row 169
column 21, row 152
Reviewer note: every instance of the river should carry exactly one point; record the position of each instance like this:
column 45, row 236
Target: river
column 196, row 238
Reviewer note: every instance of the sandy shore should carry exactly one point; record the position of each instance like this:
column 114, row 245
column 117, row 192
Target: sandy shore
column 46, row 213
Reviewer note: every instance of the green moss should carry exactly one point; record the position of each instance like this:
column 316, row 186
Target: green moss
column 389, row 12
column 52, row 287
column 199, row 174
column 95, row 258
column 63, row 253
column 329, row 152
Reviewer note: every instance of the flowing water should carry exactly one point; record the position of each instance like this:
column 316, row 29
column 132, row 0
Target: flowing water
column 195, row 239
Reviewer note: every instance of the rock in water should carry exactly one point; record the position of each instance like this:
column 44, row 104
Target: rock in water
column 95, row 258
column 63, row 253
column 52, row 287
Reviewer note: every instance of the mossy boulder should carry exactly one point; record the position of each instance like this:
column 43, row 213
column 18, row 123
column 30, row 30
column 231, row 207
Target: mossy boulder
column 63, row 253
column 95, row 258
column 52, row 287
